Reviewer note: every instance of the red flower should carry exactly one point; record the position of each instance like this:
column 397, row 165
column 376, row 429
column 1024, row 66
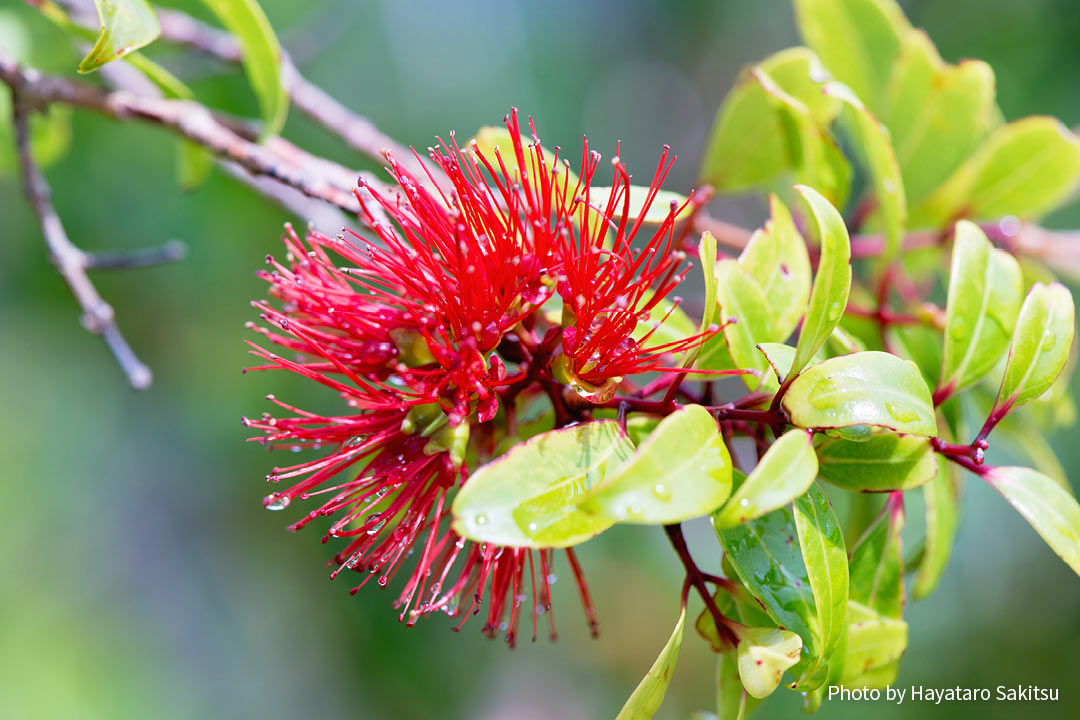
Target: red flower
column 414, row 329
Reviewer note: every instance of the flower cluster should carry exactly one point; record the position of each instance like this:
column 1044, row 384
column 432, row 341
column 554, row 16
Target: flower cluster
column 432, row 325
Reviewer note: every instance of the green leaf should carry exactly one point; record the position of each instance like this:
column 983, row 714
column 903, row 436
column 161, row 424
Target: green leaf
column 707, row 255
column 1026, row 169
column 877, row 563
column 884, row 462
column 942, row 499
column 649, row 694
column 876, row 153
column 782, row 474
column 246, row 20
column 984, row 300
column 825, row 557
column 126, row 25
column 681, row 471
column 870, row 388
column 777, row 259
column 875, row 643
column 828, row 298
column 528, row 497
column 765, row 555
column 763, row 655
column 1051, row 510
column 772, row 123
column 936, row 113
column 745, row 316
column 857, row 40
column 1040, row 345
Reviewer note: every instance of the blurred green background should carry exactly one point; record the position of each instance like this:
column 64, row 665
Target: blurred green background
column 139, row 574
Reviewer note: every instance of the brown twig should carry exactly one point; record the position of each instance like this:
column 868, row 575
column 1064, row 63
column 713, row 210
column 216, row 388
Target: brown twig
column 71, row 262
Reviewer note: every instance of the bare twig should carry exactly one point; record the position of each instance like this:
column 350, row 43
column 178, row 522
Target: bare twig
column 171, row 251
column 70, row 261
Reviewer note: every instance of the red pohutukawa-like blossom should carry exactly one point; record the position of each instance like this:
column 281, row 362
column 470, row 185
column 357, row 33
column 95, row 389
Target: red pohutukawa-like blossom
column 435, row 322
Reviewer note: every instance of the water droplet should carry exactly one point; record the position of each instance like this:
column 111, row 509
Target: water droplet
column 276, row 501
column 835, row 309
column 901, row 414
column 1049, row 339
column 661, row 492
column 481, row 519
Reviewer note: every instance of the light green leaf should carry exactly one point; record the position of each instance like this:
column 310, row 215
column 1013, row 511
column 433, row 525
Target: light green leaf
column 1026, row 169
column 681, row 471
column 745, row 316
column 871, row 388
column 768, row 561
column 936, row 113
column 1051, row 510
column 246, row 20
column 828, row 298
column 126, row 25
column 1040, row 345
column 528, row 497
column 773, row 122
column 883, row 462
column 875, row 151
column 490, row 138
column 984, row 300
column 649, row 694
column 763, row 655
column 782, row 474
column 825, row 557
column 780, row 358
column 857, row 40
column 942, row 499
column 875, row 643
column 877, row 563
column 777, row 259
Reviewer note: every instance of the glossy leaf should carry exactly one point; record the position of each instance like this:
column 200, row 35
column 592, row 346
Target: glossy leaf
column 877, row 563
column 528, row 497
column 777, row 259
column 936, row 113
column 732, row 700
column 766, row 556
column 773, row 123
column 681, row 471
column 246, row 20
column 883, row 462
column 875, row 151
column 1040, row 345
column 783, row 473
column 984, row 300
column 829, row 294
column 825, row 557
column 780, row 358
column 1025, row 169
column 857, row 40
column 745, row 316
column 707, row 256
column 875, row 643
column 649, row 694
column 941, row 497
column 126, row 26
column 873, row 389
column 763, row 655
column 1051, row 510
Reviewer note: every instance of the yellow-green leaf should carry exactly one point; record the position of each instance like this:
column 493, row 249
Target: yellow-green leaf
column 884, row 462
column 649, row 694
column 529, row 496
column 1051, row 510
column 784, row 472
column 777, row 259
column 681, row 471
column 871, row 389
column 246, row 20
column 1040, row 345
column 745, row 316
column 829, row 295
column 126, row 26
column 941, row 497
column 763, row 656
